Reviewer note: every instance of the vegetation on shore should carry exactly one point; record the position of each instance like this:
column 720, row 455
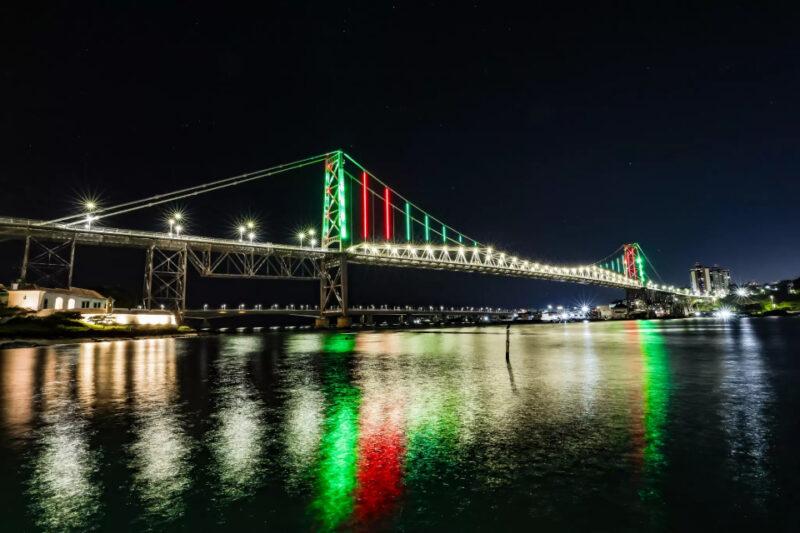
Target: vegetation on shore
column 762, row 304
column 21, row 325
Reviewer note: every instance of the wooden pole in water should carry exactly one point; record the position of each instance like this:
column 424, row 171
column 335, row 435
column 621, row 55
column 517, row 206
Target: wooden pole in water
column 508, row 339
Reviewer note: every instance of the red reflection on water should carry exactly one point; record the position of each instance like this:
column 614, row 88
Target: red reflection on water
column 381, row 447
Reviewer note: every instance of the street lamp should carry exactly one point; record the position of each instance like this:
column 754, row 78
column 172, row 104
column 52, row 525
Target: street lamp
column 90, row 207
column 175, row 220
column 247, row 228
column 178, row 230
column 307, row 233
column 313, row 242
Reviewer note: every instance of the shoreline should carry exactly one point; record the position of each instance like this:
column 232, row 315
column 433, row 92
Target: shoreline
column 37, row 342
column 11, row 344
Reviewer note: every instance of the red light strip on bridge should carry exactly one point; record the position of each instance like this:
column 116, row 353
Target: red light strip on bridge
column 387, row 214
column 364, row 195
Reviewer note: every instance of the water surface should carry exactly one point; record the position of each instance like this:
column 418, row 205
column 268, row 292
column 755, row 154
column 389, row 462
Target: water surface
column 643, row 425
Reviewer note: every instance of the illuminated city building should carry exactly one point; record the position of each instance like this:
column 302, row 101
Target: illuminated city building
column 710, row 280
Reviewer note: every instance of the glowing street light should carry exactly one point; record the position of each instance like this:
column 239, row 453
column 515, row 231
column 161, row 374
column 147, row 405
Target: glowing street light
column 175, row 220
column 178, row 230
column 310, row 233
column 90, row 206
column 313, row 242
column 251, row 236
column 242, row 229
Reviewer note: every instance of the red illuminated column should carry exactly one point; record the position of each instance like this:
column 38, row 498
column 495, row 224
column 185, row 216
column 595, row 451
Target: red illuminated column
column 364, row 206
column 387, row 207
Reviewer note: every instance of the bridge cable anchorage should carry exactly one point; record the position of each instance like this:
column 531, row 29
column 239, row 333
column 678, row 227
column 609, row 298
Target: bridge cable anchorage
column 195, row 190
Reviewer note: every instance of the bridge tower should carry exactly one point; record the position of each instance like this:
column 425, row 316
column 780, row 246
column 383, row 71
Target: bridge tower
column 335, row 235
column 629, row 258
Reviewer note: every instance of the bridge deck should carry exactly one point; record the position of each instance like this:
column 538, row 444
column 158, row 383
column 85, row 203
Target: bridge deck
column 422, row 256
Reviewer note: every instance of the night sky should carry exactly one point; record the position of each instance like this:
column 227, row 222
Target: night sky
column 553, row 134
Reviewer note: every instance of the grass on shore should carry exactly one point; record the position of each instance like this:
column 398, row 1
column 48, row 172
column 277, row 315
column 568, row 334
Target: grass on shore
column 68, row 325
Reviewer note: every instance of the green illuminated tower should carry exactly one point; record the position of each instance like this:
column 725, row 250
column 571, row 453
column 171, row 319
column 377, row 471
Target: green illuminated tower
column 334, row 205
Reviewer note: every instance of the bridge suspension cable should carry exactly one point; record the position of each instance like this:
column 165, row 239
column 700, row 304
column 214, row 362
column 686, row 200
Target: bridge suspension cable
column 395, row 203
column 135, row 205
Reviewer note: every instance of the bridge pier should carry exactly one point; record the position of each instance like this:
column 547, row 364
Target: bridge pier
column 48, row 264
column 165, row 278
column 333, row 290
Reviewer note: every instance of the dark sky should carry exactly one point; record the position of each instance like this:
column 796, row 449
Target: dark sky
column 557, row 134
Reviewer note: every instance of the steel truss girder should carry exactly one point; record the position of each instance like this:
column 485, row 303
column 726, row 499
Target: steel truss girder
column 482, row 260
column 48, row 263
column 333, row 290
column 254, row 264
column 165, row 278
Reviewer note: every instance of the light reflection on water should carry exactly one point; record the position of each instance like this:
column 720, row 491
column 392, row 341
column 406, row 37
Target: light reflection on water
column 237, row 439
column 416, row 429
column 64, row 493
column 161, row 449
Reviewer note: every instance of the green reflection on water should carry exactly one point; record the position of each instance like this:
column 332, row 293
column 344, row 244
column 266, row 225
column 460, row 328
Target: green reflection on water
column 338, row 456
column 656, row 402
column 339, row 343
column 432, row 437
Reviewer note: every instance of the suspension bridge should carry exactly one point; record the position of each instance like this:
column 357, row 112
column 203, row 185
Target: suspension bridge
column 364, row 221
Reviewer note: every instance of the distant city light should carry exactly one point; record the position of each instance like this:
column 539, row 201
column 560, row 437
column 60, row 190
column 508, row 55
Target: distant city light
column 724, row 313
column 742, row 292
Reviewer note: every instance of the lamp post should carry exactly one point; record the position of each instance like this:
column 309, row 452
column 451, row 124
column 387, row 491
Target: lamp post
column 242, row 229
column 175, row 223
column 300, row 237
column 90, row 207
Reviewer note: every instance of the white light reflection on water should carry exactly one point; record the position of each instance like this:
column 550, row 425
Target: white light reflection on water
column 746, row 394
column 64, row 492
column 237, row 442
column 303, row 429
column 161, row 449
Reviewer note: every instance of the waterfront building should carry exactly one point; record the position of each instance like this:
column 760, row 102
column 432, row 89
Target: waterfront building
column 35, row 298
column 710, row 280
